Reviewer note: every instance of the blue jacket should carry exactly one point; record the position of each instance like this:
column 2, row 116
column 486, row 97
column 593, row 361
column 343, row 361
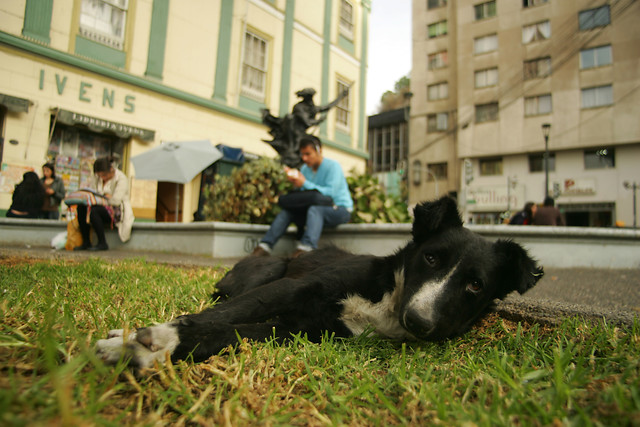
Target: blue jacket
column 330, row 181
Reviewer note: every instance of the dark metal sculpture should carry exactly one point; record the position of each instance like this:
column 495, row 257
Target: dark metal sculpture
column 288, row 130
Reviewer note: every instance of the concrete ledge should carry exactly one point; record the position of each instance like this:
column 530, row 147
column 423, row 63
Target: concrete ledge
column 552, row 246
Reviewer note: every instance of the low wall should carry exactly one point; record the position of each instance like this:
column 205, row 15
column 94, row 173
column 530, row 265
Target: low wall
column 553, row 246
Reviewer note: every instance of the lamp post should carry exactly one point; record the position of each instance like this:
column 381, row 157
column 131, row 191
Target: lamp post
column 634, row 187
column 546, row 129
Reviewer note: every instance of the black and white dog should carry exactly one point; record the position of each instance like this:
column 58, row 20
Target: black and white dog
column 443, row 281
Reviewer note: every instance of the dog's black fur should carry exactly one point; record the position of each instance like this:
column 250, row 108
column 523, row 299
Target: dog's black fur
column 436, row 287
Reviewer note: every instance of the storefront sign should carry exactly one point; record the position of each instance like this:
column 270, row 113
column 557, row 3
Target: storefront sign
column 495, row 198
column 579, row 187
column 101, row 125
column 87, row 92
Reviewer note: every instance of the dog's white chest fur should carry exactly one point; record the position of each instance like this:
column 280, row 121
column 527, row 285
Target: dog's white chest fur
column 359, row 313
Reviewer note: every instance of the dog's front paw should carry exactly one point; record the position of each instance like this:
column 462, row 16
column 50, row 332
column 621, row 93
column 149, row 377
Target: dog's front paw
column 142, row 347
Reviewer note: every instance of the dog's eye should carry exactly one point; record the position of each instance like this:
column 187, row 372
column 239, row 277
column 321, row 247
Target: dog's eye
column 474, row 287
column 431, row 259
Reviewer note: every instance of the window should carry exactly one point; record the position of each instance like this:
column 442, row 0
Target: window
column 438, row 60
column 603, row 158
column 346, row 19
column 531, row 3
column 437, row 122
column 438, row 29
column 342, row 109
column 434, row 4
column 536, row 32
column 486, row 78
column 438, row 91
column 594, row 18
column 438, row 170
column 489, row 167
column 536, row 105
column 597, row 96
column 485, row 44
column 104, row 21
column 254, row 66
column 536, row 162
column 595, row 57
column 537, row 68
column 485, row 10
column 486, row 112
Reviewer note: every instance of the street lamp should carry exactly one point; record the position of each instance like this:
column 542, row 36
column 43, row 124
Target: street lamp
column 546, row 129
column 632, row 186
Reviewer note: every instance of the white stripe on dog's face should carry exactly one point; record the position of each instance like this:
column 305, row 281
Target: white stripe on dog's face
column 424, row 301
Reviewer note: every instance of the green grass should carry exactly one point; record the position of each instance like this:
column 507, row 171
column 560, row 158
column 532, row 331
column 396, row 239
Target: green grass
column 501, row 373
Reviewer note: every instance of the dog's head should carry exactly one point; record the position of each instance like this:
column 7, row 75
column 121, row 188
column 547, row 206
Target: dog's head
column 452, row 275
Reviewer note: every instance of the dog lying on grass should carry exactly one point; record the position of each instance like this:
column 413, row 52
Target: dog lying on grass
column 436, row 287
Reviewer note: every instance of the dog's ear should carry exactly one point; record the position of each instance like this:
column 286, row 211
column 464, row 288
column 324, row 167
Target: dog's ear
column 518, row 271
column 433, row 217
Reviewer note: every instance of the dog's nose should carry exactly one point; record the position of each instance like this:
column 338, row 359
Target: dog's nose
column 418, row 325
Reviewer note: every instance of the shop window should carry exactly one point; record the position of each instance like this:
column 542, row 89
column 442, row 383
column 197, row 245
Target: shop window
column 599, row 96
column 438, row 122
column 438, row 170
column 595, row 57
column 603, row 158
column 536, row 162
column 536, row 32
column 485, row 78
column 346, row 19
column 537, row 105
column 537, row 68
column 434, row 4
column 491, row 167
column 73, row 150
column 438, row 60
column 532, row 3
column 594, row 18
column 485, row 10
column 487, row 112
column 343, row 113
column 254, row 66
column 437, row 29
column 485, row 44
column 104, row 21
column 438, row 91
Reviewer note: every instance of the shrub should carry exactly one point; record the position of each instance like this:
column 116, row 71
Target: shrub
column 250, row 195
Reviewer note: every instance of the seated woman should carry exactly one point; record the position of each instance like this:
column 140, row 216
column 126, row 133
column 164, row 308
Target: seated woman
column 54, row 188
column 27, row 198
column 116, row 210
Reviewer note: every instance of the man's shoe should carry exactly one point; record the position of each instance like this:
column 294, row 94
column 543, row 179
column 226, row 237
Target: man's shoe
column 299, row 252
column 82, row 248
column 100, row 247
column 259, row 251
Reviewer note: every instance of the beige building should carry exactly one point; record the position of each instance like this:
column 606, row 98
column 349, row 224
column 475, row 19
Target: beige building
column 488, row 74
column 84, row 78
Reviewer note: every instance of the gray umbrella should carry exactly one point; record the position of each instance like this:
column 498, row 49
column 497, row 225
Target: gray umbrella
column 177, row 162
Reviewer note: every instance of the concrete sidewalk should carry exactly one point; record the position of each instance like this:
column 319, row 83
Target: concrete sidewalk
column 613, row 294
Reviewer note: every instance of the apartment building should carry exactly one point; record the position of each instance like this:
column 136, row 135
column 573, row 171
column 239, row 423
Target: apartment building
column 84, row 78
column 489, row 76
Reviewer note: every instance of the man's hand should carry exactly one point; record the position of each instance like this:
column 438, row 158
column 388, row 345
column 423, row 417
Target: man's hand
column 294, row 176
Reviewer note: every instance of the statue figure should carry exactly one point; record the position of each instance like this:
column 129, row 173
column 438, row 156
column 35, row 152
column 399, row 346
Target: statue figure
column 288, row 130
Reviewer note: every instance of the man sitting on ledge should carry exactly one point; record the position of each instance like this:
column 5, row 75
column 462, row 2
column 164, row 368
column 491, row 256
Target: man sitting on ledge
column 321, row 181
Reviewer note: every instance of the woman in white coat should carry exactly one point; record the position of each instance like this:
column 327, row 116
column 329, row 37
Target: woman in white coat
column 116, row 210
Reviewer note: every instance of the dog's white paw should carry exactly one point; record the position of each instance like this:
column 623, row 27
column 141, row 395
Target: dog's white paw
column 143, row 346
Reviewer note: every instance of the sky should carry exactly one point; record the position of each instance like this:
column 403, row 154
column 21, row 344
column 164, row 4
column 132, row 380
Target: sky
column 389, row 48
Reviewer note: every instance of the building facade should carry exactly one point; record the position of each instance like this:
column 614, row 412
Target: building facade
column 388, row 143
column 84, row 78
column 487, row 75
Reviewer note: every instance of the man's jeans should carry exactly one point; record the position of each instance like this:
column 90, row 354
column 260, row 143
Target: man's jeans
column 309, row 223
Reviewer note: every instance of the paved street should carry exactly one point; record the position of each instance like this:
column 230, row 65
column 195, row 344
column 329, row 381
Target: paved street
column 610, row 293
